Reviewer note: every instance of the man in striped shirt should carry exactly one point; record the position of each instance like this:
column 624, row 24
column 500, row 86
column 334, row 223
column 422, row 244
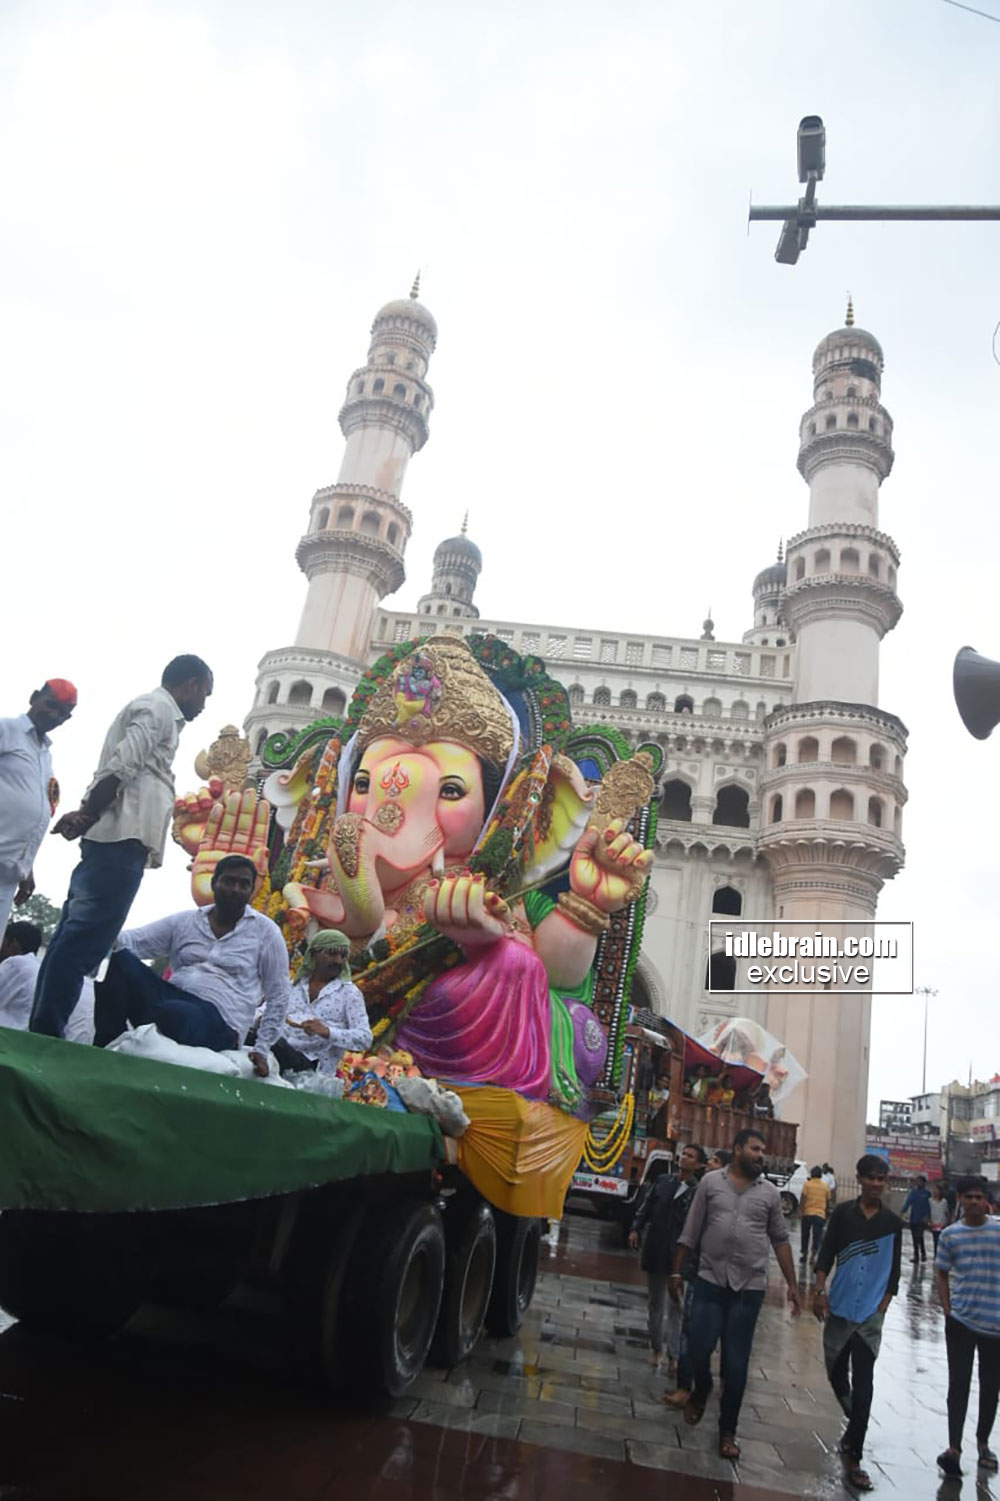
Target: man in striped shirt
column 968, row 1278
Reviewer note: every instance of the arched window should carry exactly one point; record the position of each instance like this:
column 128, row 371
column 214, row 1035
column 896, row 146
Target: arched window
column 897, row 822
column 841, row 803
column 897, row 766
column 359, row 388
column 399, row 390
column 876, row 757
column 800, row 569
column 683, row 703
column 732, row 808
column 628, row 699
column 334, row 701
column 300, row 693
column 727, row 901
column 721, row 972
column 852, row 390
column 805, row 803
column 808, row 748
column 875, row 812
column 677, row 801
column 831, row 421
column 821, row 562
column 602, row 697
column 874, row 566
column 371, row 523
column 740, row 710
column 892, row 577
column 418, row 402
column 777, row 809
column 656, row 703
column 843, row 751
column 442, row 609
column 392, row 533
column 712, row 706
column 780, row 754
column 390, row 358
column 852, row 419
column 812, row 429
column 378, row 386
column 872, row 425
column 576, row 694
column 447, row 588
column 762, row 711
column 850, row 562
column 261, row 742
column 345, row 517
column 272, row 693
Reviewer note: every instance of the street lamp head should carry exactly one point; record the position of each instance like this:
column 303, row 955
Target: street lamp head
column 812, row 148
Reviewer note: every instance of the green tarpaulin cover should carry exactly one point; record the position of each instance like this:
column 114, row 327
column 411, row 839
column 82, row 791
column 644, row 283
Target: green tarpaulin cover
column 84, row 1129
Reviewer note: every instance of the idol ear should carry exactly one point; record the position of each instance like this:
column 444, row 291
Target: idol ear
column 566, row 808
column 286, row 789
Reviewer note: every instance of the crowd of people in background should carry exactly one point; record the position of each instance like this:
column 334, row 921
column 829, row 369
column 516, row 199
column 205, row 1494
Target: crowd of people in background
column 706, row 1234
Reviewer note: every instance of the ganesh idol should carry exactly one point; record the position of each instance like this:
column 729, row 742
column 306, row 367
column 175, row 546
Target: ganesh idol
column 442, row 768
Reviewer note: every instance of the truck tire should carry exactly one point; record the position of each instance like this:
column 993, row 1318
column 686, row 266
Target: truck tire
column 76, row 1275
column 391, row 1298
column 468, row 1281
column 516, row 1273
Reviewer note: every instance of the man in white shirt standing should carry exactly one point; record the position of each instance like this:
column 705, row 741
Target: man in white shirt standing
column 123, row 820
column 224, row 961
column 18, row 972
column 28, row 791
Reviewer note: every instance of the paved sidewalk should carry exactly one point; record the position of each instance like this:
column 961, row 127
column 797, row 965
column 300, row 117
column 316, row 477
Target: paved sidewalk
column 577, row 1379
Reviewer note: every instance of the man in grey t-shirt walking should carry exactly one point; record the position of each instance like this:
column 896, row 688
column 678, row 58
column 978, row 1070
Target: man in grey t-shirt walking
column 734, row 1221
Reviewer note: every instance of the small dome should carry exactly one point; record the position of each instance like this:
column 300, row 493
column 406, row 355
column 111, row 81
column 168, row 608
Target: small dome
column 408, row 307
column 460, row 545
column 848, row 336
column 771, row 578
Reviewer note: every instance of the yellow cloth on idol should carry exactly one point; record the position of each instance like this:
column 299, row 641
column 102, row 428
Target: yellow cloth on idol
column 521, row 1154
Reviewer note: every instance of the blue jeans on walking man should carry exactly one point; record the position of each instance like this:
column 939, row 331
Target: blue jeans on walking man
column 722, row 1313
column 102, row 888
column 133, row 993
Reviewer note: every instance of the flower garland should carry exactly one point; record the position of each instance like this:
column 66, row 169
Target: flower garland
column 601, row 1153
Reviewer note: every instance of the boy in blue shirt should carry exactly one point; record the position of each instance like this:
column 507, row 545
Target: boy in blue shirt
column 918, row 1203
column 864, row 1240
column 968, row 1278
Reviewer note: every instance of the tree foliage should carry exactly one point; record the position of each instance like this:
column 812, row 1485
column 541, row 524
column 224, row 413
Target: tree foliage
column 39, row 910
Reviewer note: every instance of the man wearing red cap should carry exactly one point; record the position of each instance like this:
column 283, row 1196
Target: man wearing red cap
column 28, row 790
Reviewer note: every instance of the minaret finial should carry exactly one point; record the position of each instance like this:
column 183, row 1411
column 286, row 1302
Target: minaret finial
column 708, row 627
column 781, row 549
column 415, row 289
column 849, row 320
column 465, row 523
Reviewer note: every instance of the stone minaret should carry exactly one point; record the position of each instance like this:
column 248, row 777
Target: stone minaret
column 457, row 566
column 832, row 790
column 352, row 553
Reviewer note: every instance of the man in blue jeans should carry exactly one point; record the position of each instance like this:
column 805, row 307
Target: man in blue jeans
column 122, row 824
column 224, row 960
column 735, row 1219
column 918, row 1205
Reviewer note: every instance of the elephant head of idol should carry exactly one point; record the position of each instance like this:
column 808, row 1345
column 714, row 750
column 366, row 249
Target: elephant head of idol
column 418, row 782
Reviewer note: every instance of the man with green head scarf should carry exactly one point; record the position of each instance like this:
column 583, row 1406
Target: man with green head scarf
column 326, row 1015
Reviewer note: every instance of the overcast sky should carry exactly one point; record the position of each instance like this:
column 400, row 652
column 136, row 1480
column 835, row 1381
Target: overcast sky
column 202, row 207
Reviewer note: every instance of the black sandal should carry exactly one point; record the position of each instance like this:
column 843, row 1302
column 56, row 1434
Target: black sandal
column 694, row 1410
column 988, row 1460
column 948, row 1464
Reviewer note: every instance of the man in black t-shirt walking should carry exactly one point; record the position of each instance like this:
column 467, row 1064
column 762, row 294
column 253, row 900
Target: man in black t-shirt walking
column 662, row 1214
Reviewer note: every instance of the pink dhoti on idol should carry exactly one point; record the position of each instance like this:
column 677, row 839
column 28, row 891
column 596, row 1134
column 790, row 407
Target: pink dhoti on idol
column 487, row 1022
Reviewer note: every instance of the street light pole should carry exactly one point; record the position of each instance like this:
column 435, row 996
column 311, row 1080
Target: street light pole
column 926, row 991
column 799, row 218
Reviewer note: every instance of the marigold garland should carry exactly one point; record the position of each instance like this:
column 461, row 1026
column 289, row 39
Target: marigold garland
column 602, row 1154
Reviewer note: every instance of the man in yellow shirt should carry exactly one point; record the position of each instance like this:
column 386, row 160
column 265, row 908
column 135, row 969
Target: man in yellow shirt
column 813, row 1207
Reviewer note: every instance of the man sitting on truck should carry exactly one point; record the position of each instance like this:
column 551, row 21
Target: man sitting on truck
column 224, row 960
